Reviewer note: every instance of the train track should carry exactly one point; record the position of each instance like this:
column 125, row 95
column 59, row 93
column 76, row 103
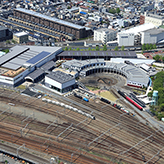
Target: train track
column 106, row 118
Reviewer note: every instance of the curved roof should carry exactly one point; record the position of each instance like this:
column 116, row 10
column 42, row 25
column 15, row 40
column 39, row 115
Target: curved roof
column 132, row 73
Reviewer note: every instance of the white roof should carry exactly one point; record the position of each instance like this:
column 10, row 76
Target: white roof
column 144, row 66
column 21, row 34
column 139, row 28
column 134, row 61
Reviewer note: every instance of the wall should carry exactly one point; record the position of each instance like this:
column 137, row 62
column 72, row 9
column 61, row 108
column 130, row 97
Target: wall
column 147, row 38
column 125, row 39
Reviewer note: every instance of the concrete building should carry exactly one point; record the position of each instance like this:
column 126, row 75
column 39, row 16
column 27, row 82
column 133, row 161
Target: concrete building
column 154, row 35
column 155, row 19
column 20, row 37
column 60, row 81
column 21, row 61
column 5, row 34
column 36, row 19
column 125, row 39
column 105, row 35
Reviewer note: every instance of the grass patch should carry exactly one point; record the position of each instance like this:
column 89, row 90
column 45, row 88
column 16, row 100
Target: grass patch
column 138, row 91
column 107, row 95
column 21, row 87
column 92, row 88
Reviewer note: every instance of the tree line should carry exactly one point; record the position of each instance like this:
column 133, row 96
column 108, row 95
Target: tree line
column 158, row 84
column 148, row 47
column 97, row 48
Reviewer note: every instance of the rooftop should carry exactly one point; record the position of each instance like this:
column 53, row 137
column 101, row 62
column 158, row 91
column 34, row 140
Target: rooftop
column 60, row 77
column 21, row 34
column 114, row 54
column 104, row 30
column 154, row 31
column 49, row 18
column 139, row 28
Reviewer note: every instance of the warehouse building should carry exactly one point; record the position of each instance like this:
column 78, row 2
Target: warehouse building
column 135, row 76
column 39, row 20
column 60, row 81
column 154, row 35
column 107, row 55
column 21, row 61
column 133, row 36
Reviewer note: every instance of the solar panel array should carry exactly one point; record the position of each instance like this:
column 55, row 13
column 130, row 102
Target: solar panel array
column 38, row 57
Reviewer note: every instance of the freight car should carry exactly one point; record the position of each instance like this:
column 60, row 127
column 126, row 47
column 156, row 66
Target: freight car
column 130, row 100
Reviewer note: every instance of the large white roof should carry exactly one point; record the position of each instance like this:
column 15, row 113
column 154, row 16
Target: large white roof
column 139, row 28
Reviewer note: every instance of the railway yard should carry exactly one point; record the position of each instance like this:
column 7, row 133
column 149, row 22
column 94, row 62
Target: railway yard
column 112, row 137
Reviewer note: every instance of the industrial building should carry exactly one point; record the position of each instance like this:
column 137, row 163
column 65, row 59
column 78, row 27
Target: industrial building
column 21, row 61
column 20, row 37
column 153, row 36
column 50, row 23
column 5, row 34
column 106, row 55
column 135, row 76
column 133, row 36
column 105, row 35
column 60, row 81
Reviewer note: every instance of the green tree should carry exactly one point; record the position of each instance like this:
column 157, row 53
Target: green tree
column 147, row 46
column 113, row 11
column 162, row 107
column 104, row 47
column 97, row 48
column 156, row 58
column 163, row 59
column 122, row 48
column 151, row 46
column 116, row 48
column 7, row 41
column 66, row 49
column 6, row 51
column 70, row 49
column 77, row 49
column 117, row 10
column 89, row 49
column 154, row 46
column 143, row 47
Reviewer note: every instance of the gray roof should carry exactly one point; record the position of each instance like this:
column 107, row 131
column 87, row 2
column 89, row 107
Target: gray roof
column 155, row 31
column 133, row 73
column 49, row 65
column 50, row 18
column 12, row 54
column 81, row 63
column 60, row 77
column 19, row 55
column 35, row 74
column 99, row 53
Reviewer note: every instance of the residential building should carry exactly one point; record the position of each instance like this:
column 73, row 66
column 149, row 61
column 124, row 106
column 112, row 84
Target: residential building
column 105, row 35
column 5, row 34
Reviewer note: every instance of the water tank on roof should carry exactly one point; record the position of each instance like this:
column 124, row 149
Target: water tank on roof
column 155, row 93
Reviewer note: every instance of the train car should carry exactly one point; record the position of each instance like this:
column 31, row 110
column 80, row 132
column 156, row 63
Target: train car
column 121, row 93
column 78, row 96
column 85, row 99
column 134, row 103
column 105, row 100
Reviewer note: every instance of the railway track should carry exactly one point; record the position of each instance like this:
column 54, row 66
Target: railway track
column 106, row 118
